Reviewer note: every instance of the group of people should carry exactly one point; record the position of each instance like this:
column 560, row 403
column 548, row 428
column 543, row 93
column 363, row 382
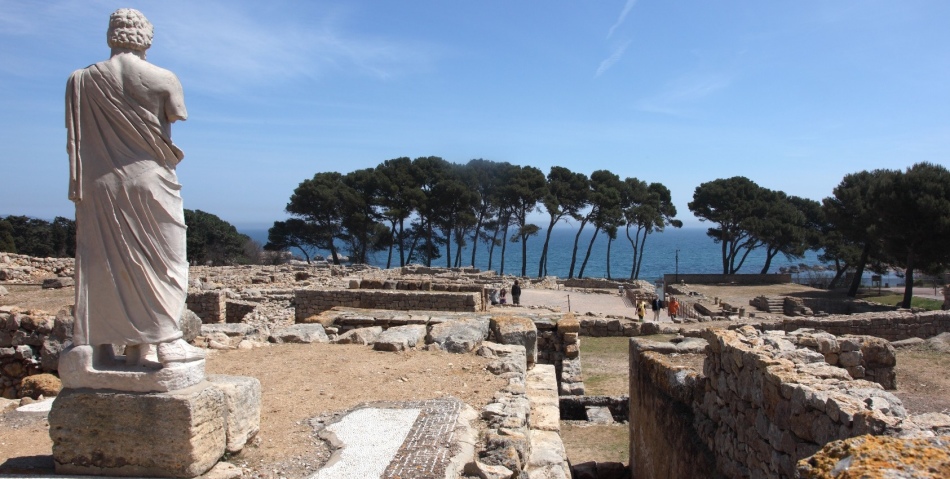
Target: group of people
column 500, row 296
column 672, row 308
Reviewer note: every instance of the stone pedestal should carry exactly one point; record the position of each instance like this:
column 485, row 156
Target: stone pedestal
column 80, row 368
column 180, row 433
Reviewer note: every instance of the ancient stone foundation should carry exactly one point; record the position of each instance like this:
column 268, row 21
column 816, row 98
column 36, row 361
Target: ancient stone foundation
column 892, row 326
column 29, row 344
column 210, row 306
column 759, row 406
column 312, row 302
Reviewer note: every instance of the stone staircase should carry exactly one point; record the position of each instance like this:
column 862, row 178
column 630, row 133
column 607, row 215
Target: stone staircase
column 771, row 305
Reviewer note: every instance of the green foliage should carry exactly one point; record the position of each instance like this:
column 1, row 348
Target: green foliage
column 646, row 208
column 36, row 237
column 211, row 240
column 7, row 243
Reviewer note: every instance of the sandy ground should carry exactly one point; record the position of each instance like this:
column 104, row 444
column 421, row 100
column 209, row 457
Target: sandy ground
column 299, row 382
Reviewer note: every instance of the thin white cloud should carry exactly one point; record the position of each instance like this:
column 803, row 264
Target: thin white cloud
column 623, row 16
column 235, row 48
column 676, row 97
column 612, row 59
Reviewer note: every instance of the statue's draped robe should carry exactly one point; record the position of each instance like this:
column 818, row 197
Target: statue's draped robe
column 131, row 268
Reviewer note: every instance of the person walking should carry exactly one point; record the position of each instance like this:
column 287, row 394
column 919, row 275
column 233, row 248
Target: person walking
column 516, row 293
column 504, row 296
column 674, row 307
column 656, row 309
column 641, row 309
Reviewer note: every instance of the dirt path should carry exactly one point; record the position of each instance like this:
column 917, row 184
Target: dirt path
column 299, row 382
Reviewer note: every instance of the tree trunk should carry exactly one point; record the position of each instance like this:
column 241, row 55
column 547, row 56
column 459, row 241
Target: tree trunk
column 504, row 246
column 726, row 252
column 643, row 247
column 839, row 272
column 524, row 254
column 610, row 242
column 543, row 263
column 590, row 246
column 769, row 254
column 859, row 271
column 909, row 281
column 577, row 239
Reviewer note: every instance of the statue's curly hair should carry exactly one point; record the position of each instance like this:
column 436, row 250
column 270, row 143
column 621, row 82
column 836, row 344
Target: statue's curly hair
column 128, row 28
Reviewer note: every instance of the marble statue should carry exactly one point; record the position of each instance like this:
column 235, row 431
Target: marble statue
column 131, row 269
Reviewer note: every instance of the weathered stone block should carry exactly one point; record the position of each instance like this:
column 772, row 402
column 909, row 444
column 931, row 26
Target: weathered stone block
column 175, row 434
column 517, row 330
column 243, row 399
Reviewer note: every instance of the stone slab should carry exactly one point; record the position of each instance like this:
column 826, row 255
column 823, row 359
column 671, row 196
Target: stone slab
column 174, row 434
column 78, row 370
column 400, row 338
column 303, row 333
column 459, row 335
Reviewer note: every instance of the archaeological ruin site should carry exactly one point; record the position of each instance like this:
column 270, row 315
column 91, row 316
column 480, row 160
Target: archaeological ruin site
column 776, row 387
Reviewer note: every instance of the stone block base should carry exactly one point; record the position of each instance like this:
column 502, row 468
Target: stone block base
column 182, row 433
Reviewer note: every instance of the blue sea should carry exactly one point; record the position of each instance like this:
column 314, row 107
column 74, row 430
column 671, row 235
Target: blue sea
column 683, row 250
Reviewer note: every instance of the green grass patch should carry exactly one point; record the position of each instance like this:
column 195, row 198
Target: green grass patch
column 915, row 302
column 606, row 347
column 596, row 443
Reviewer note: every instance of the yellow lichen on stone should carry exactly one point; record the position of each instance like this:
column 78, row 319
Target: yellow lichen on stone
column 879, row 457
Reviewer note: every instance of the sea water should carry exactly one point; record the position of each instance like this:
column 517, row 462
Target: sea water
column 675, row 250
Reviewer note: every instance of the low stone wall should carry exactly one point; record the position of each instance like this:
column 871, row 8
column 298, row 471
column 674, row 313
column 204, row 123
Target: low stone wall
column 559, row 344
column 755, row 410
column 419, row 269
column 892, row 326
column 210, row 306
column 739, row 279
column 18, row 268
column 237, row 310
column 604, row 327
column 838, row 306
column 313, row 302
column 30, row 344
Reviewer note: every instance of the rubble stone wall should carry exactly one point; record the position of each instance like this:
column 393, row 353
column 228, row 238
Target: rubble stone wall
column 30, row 344
column 602, row 327
column 892, row 326
column 210, row 306
column 312, row 302
column 759, row 406
column 837, row 306
column 738, row 279
column 19, row 268
column 237, row 310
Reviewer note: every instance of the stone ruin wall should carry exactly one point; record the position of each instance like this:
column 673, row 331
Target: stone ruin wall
column 210, row 306
column 892, row 326
column 19, row 268
column 313, row 302
column 30, row 344
column 759, row 406
column 735, row 279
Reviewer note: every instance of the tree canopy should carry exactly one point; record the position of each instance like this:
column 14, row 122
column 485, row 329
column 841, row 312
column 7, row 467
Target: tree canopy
column 212, row 240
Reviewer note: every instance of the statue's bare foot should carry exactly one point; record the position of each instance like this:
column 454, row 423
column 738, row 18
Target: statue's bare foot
column 139, row 355
column 178, row 351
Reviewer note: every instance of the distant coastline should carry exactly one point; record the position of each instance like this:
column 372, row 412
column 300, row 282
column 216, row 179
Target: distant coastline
column 698, row 254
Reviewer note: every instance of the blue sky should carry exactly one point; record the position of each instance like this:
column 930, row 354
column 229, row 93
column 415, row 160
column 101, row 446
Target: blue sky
column 793, row 95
